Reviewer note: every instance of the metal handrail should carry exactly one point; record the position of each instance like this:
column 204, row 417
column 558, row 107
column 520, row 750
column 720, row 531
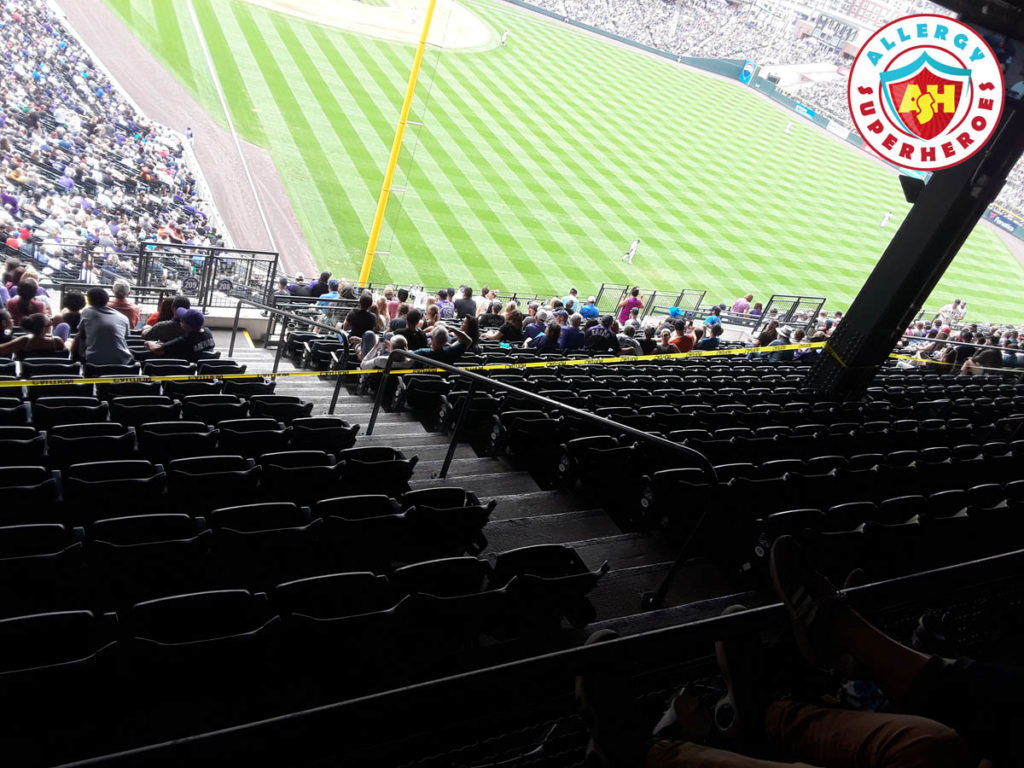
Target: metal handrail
column 475, row 378
column 279, row 313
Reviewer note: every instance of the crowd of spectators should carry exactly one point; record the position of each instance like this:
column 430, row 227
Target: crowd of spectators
column 85, row 178
column 94, row 327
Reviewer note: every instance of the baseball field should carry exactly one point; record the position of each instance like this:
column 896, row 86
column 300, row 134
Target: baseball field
column 539, row 161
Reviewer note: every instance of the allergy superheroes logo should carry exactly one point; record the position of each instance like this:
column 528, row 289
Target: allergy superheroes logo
column 926, row 92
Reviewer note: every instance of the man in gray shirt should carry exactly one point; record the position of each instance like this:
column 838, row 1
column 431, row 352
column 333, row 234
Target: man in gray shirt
column 102, row 332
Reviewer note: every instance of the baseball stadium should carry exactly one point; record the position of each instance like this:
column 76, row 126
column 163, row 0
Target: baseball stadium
column 512, row 383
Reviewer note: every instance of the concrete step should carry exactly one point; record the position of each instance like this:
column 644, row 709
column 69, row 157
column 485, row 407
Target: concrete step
column 626, row 550
column 539, row 503
column 428, row 467
column 559, row 528
column 620, row 591
column 485, row 486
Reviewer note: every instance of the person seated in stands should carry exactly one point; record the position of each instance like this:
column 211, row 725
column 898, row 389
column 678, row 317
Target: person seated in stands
column 510, row 308
column 359, row 320
column 377, row 356
column 810, row 355
column 6, row 325
column 944, row 713
column 37, row 339
column 26, row 303
column 787, row 336
column 282, row 288
column 713, row 339
column 321, row 286
column 648, row 342
column 431, row 317
column 537, row 325
column 590, row 310
column 742, row 305
column 492, row 318
column 445, row 307
column 768, row 334
column 483, row 301
column 193, row 343
column 399, row 320
column 441, row 350
column 682, row 340
column 1011, row 355
column 511, row 330
column 121, row 304
column 471, row 327
column 571, row 301
column 300, row 287
column 963, row 351
column 714, row 316
column 634, row 319
column 665, row 345
column 601, row 338
column 628, row 344
column 571, row 336
column 991, row 356
column 412, row 332
column 166, row 330
column 465, row 306
column 698, row 334
column 164, row 312
column 102, row 333
column 329, row 294
column 546, row 340
column 71, row 312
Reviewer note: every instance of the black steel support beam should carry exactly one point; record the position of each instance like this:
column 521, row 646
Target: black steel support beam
column 947, row 210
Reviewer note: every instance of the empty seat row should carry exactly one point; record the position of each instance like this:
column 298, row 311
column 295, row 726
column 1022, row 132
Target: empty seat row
column 88, row 491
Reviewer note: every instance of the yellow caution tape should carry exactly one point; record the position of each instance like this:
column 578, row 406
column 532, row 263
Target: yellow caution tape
column 396, row 372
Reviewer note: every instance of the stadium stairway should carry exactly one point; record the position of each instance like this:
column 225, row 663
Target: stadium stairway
column 526, row 514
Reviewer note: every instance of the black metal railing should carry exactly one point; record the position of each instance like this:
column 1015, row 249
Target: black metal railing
column 460, row 709
column 274, row 311
column 475, row 379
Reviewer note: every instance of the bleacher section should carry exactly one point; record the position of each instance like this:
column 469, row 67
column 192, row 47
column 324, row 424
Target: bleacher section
column 213, row 552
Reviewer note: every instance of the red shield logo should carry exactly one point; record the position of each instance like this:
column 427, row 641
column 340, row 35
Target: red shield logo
column 925, row 96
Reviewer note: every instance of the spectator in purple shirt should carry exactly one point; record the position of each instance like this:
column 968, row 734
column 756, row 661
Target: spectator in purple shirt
column 572, row 336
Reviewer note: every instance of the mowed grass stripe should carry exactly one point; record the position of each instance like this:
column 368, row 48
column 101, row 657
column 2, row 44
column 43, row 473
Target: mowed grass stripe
column 333, row 129
column 303, row 136
column 226, row 45
column 173, row 48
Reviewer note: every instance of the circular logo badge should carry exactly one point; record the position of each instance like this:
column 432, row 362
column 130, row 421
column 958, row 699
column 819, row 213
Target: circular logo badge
column 926, row 92
column 190, row 285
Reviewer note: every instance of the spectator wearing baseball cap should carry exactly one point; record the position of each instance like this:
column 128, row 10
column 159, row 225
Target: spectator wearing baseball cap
column 195, row 339
column 332, row 293
column 299, row 287
column 590, row 310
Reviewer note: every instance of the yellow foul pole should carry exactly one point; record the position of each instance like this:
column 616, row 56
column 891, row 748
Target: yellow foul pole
column 396, row 149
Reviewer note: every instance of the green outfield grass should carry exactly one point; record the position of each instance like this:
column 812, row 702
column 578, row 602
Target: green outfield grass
column 539, row 162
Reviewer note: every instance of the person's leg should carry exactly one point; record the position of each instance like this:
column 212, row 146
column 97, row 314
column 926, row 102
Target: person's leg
column 826, row 627
column 369, row 341
column 840, row 738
